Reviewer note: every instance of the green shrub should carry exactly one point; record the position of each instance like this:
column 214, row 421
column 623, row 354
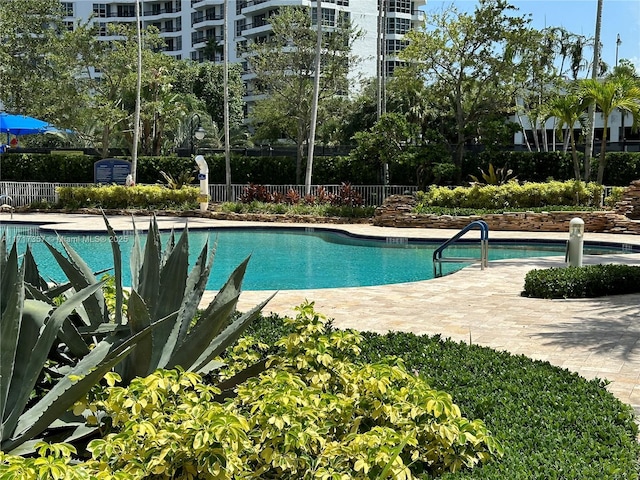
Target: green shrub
column 511, row 195
column 582, row 282
column 615, row 196
column 552, row 422
column 312, row 414
column 488, row 211
column 118, row 196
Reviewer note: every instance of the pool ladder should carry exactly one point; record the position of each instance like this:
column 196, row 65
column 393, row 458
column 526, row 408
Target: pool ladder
column 438, row 259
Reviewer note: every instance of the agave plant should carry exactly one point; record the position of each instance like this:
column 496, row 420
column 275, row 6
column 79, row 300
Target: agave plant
column 494, row 176
column 28, row 329
column 162, row 288
column 162, row 284
column 159, row 331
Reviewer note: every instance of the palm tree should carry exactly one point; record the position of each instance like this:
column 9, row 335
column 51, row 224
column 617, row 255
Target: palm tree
column 616, row 93
column 569, row 109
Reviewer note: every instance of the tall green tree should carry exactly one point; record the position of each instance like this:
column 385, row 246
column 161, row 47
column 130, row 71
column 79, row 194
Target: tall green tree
column 208, row 87
column 382, row 144
column 41, row 60
column 471, row 63
column 284, row 67
column 621, row 93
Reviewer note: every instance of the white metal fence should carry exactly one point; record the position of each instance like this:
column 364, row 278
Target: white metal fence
column 372, row 195
column 18, row 194
column 24, row 193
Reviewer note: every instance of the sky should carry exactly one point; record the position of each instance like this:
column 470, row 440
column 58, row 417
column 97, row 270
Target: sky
column 619, row 17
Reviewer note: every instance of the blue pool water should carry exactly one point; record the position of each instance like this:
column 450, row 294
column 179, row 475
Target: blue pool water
column 286, row 259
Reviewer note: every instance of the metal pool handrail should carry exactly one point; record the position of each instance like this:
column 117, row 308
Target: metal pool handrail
column 438, row 259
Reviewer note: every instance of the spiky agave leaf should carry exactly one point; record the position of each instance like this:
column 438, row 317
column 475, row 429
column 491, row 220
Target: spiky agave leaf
column 10, row 322
column 173, row 281
column 68, row 334
column 149, row 273
column 25, row 376
column 8, row 276
column 31, row 273
column 208, row 329
column 117, row 270
column 72, row 387
column 139, row 318
column 228, row 336
column 135, row 257
column 80, row 276
column 196, row 285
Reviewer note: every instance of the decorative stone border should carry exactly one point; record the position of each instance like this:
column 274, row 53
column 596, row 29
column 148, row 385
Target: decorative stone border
column 397, row 212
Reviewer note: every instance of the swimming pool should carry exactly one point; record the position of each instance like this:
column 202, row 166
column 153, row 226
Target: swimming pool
column 292, row 258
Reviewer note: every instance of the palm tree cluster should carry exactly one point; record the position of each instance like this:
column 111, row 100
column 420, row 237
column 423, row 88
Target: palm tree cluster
column 618, row 91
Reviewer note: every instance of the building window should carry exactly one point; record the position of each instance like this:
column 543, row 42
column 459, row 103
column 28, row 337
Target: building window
column 395, row 46
column 67, row 8
column 241, row 48
column 398, row 25
column 260, row 20
column 390, row 67
column 102, row 29
column 126, row 10
column 100, row 10
column 344, row 18
column 328, row 17
column 402, row 6
column 241, row 25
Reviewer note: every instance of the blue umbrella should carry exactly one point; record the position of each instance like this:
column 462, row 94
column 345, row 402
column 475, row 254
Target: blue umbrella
column 23, row 125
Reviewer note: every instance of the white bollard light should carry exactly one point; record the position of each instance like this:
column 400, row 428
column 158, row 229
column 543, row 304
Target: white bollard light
column 576, row 242
column 203, row 176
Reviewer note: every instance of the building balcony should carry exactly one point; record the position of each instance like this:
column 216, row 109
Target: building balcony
column 207, row 20
column 202, row 40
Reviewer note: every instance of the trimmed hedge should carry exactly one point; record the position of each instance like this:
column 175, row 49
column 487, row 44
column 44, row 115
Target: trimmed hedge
column 118, row 196
column 511, row 195
column 582, row 282
column 622, row 167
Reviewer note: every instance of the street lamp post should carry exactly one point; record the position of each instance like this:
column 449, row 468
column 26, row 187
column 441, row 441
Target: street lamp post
column 195, row 131
column 618, row 42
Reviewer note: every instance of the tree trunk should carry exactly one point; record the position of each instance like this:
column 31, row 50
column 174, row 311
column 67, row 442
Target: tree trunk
column 314, row 104
column 227, row 148
column 602, row 160
column 574, row 155
column 136, row 115
column 301, row 138
column 592, row 108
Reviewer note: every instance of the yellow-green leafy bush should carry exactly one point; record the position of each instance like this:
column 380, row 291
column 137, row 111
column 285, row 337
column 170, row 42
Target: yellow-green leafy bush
column 310, row 414
column 512, row 195
column 118, row 196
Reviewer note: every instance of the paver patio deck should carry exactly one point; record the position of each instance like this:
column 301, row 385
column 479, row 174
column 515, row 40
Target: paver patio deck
column 597, row 338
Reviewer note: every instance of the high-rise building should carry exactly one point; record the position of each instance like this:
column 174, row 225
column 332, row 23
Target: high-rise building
column 195, row 28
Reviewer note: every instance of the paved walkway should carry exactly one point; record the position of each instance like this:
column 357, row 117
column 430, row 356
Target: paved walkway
column 597, row 338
